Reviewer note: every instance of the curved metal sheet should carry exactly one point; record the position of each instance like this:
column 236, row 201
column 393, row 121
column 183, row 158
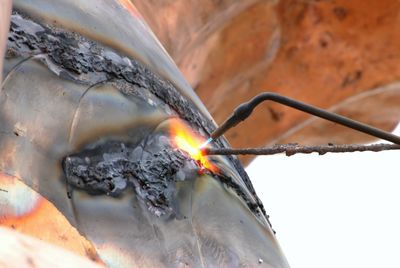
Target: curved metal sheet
column 117, row 25
column 62, row 134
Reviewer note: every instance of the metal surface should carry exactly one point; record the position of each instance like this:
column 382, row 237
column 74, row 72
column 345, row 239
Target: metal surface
column 5, row 11
column 69, row 97
column 117, row 25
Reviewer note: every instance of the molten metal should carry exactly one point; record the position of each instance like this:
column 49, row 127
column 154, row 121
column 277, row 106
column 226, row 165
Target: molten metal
column 185, row 139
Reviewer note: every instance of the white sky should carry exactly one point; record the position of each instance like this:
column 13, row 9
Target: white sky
column 336, row 210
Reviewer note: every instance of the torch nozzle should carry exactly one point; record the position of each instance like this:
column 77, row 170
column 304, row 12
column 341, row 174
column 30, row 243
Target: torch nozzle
column 239, row 114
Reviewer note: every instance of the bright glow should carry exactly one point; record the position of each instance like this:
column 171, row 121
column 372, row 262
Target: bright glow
column 336, row 210
column 185, row 139
column 206, row 143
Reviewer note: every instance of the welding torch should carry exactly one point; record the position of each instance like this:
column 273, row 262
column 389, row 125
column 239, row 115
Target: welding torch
column 244, row 110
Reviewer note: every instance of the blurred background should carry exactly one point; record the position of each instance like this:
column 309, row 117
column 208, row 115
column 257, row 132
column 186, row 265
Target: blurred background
column 328, row 211
column 340, row 55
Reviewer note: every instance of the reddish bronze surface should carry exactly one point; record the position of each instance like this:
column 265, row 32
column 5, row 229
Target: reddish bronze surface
column 29, row 213
column 320, row 52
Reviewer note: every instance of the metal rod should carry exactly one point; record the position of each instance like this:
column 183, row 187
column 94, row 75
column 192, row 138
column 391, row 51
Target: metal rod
column 291, row 149
column 244, row 110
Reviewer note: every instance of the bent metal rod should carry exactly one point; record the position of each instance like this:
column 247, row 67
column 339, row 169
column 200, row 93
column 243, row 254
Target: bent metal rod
column 244, row 110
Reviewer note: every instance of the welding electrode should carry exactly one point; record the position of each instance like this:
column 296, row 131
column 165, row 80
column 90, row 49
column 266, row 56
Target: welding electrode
column 244, row 110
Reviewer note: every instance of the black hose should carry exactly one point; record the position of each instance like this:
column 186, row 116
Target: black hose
column 244, row 110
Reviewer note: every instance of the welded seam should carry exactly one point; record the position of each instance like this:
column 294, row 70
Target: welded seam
column 77, row 64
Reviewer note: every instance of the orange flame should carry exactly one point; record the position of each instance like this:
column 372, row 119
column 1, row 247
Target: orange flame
column 185, row 139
